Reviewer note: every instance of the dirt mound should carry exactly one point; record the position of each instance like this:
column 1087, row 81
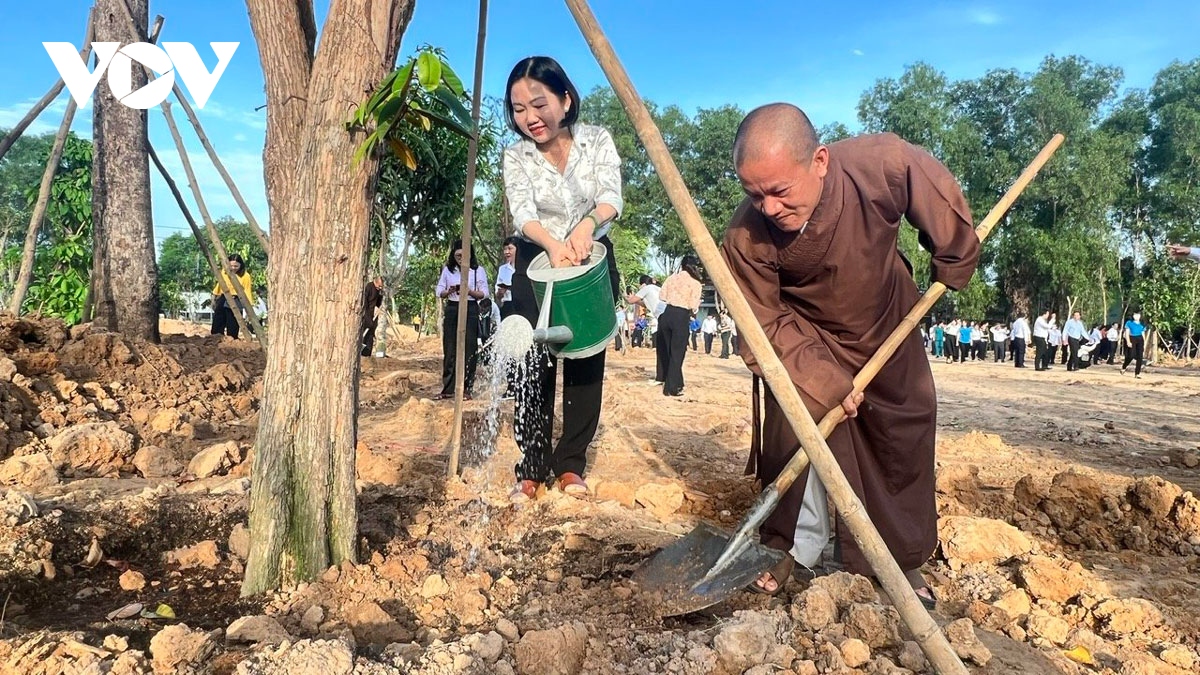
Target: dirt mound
column 1149, row 515
column 88, row 400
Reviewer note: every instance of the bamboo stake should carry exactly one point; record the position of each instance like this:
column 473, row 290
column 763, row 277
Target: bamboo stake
column 15, row 133
column 468, row 214
column 216, row 160
column 924, row 630
column 187, row 215
column 212, row 229
column 212, row 154
column 39, row 210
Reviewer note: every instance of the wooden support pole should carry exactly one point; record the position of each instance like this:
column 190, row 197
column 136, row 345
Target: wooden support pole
column 468, row 213
column 15, row 133
column 187, row 215
column 39, row 211
column 922, row 626
column 216, row 160
column 212, row 230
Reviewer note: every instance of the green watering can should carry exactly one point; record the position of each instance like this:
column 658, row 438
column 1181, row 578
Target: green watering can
column 576, row 317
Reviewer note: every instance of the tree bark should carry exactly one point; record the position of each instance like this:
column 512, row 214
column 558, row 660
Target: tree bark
column 122, row 229
column 303, row 515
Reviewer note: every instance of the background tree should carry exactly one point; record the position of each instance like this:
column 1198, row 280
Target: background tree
column 63, row 255
column 303, row 515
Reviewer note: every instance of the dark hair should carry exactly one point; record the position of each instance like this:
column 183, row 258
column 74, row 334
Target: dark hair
column 547, row 71
column 691, row 265
column 485, row 304
column 234, row 256
column 514, row 240
column 645, row 279
column 452, row 264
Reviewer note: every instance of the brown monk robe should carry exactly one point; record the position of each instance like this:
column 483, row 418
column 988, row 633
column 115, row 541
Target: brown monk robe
column 824, row 277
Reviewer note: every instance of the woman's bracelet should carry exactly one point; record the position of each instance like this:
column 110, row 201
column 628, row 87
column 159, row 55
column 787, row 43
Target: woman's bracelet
column 594, row 219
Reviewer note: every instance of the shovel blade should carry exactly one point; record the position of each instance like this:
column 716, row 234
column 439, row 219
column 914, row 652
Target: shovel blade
column 674, row 579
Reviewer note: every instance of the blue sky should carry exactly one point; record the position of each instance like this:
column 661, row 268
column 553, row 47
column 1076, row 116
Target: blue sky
column 693, row 53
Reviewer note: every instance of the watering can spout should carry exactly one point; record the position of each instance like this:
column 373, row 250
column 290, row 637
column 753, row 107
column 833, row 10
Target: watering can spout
column 553, row 335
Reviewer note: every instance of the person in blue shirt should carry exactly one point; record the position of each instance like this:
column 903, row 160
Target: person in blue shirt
column 964, row 341
column 694, row 330
column 1135, row 344
column 1076, row 334
column 939, row 339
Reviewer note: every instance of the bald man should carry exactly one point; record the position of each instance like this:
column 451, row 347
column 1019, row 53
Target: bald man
column 813, row 247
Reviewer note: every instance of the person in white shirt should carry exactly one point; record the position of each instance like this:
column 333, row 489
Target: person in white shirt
column 681, row 294
column 1075, row 334
column 999, row 337
column 709, row 328
column 449, row 287
column 726, row 330
column 1097, row 342
column 1114, row 342
column 978, row 345
column 649, row 295
column 504, row 277
column 562, row 180
column 1053, row 340
column 1020, row 339
column 1041, row 338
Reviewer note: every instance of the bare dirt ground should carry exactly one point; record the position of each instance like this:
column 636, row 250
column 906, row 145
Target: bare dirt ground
column 1070, row 531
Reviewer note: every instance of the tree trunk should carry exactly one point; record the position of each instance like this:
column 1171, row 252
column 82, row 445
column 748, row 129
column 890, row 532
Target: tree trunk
column 303, row 514
column 122, row 229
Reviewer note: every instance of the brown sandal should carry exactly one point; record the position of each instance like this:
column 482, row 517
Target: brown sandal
column 781, row 572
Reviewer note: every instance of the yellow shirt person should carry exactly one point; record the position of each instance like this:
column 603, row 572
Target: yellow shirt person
column 243, row 278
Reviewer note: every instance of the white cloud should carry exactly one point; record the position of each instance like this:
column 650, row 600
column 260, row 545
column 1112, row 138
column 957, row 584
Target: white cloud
column 249, row 118
column 49, row 119
column 984, row 17
column 857, row 52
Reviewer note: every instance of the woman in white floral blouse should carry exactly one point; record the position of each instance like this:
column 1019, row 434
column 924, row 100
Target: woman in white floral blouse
column 563, row 184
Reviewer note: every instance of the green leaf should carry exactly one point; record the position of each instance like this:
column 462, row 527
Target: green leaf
column 452, row 80
column 457, row 109
column 443, row 121
column 403, row 78
column 429, row 71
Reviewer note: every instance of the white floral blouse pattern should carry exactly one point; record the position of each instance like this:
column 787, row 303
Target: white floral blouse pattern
column 536, row 191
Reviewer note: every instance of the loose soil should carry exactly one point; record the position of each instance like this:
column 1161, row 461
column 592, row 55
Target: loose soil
column 1069, row 522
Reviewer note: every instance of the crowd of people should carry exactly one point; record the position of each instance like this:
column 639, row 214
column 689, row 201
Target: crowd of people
column 1074, row 345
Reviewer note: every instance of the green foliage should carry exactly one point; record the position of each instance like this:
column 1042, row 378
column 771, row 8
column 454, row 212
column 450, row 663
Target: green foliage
column 406, row 100
column 415, row 296
column 60, row 281
column 62, row 258
column 1121, row 183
